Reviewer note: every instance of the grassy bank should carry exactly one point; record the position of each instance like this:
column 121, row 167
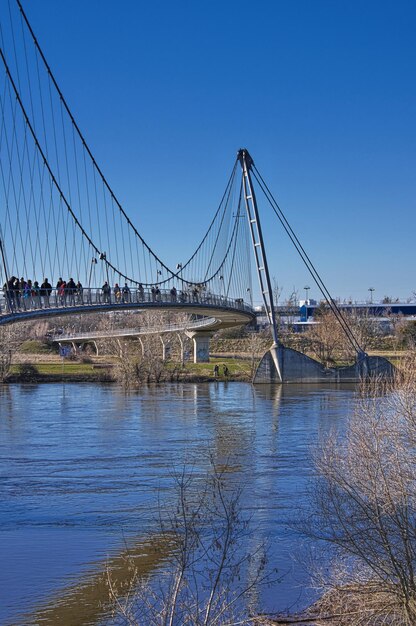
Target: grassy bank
column 38, row 361
column 56, row 371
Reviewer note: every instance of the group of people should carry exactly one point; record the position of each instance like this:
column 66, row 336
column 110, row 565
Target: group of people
column 217, row 370
column 121, row 294
column 124, row 295
column 22, row 294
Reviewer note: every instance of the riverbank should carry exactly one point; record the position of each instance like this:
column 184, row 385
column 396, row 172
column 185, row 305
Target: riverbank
column 48, row 369
column 233, row 366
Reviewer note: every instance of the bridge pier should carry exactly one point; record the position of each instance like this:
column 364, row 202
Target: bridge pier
column 165, row 349
column 200, row 340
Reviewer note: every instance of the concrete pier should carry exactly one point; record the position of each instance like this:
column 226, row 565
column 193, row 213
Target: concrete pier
column 200, row 340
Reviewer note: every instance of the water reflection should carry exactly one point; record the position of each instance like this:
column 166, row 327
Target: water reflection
column 87, row 602
column 6, row 403
column 84, row 467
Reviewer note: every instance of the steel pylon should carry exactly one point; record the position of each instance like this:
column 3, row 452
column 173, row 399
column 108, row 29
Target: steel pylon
column 253, row 217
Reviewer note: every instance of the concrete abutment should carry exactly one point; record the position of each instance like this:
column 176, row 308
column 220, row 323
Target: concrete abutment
column 295, row 367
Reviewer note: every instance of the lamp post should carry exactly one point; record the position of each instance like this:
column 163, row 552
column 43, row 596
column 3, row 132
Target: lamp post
column 306, row 288
column 103, row 257
column 3, row 258
column 371, row 289
column 93, row 262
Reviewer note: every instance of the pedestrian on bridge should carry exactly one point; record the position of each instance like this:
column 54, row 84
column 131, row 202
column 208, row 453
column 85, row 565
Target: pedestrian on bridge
column 106, row 289
column 62, row 292
column 117, row 292
column 27, row 295
column 45, row 292
column 173, row 294
column 36, row 295
column 16, row 290
column 58, row 289
column 70, row 290
column 80, row 293
column 9, row 292
column 126, row 293
column 140, row 292
column 21, row 288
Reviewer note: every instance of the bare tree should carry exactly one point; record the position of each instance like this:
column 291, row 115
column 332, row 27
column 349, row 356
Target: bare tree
column 277, row 291
column 325, row 339
column 364, row 507
column 145, row 358
column 11, row 337
column 211, row 574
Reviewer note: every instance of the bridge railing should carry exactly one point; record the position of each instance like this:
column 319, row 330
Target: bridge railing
column 132, row 332
column 16, row 301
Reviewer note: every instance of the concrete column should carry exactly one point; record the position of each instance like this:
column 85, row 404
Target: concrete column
column 200, row 339
column 142, row 345
column 182, row 348
column 163, row 348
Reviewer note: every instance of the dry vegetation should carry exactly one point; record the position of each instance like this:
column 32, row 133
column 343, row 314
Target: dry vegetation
column 363, row 511
column 211, row 577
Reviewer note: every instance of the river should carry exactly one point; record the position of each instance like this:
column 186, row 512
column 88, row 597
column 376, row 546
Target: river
column 86, row 468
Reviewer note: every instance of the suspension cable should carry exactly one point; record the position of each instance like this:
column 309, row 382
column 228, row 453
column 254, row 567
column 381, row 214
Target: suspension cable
column 307, row 261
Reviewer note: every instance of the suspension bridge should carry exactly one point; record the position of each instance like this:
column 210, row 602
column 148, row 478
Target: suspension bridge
column 68, row 246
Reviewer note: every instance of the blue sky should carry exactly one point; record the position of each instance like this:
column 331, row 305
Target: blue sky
column 322, row 93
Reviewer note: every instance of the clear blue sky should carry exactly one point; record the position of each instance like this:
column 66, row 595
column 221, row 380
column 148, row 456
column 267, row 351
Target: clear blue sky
column 321, row 92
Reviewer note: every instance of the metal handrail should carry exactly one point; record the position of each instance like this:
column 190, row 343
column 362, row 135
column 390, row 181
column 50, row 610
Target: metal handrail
column 18, row 302
column 126, row 332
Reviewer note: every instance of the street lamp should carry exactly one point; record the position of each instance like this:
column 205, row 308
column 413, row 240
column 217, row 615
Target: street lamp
column 306, row 288
column 371, row 289
column 93, row 262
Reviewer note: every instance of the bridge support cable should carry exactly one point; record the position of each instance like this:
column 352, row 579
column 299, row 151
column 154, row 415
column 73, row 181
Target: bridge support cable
column 308, row 263
column 60, row 216
column 45, row 161
column 6, row 275
column 147, row 267
column 96, row 167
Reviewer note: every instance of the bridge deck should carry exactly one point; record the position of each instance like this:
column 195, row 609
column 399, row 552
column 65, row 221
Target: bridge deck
column 227, row 312
column 207, row 323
